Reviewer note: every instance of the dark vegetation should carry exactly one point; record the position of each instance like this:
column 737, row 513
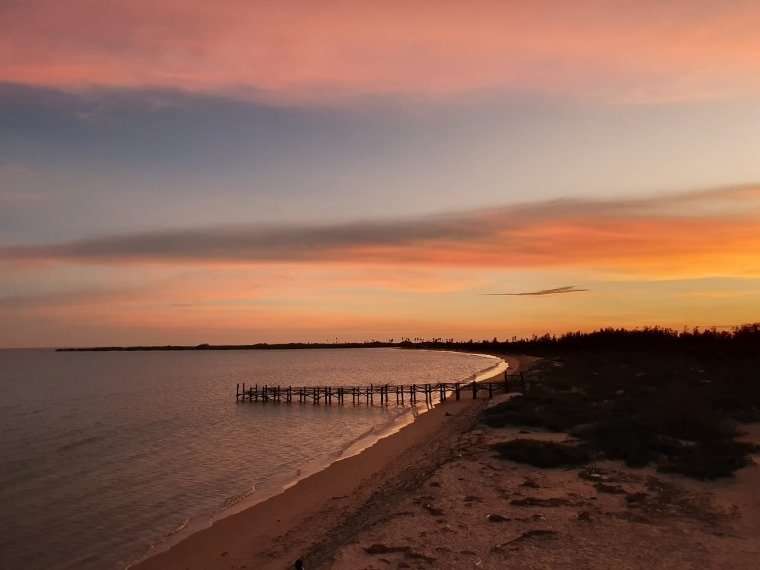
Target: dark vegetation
column 652, row 396
column 543, row 454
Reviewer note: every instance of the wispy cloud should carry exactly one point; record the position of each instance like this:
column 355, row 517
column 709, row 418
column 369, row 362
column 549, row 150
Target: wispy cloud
column 309, row 50
column 677, row 234
column 557, row 291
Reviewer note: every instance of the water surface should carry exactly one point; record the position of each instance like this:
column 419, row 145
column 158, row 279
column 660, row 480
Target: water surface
column 106, row 454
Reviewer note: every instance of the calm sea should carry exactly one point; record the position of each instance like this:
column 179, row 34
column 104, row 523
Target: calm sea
column 105, row 457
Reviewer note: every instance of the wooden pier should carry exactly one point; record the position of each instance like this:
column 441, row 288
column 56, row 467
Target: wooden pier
column 400, row 394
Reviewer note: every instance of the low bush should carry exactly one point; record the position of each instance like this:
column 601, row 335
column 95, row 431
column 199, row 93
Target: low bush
column 543, row 454
column 558, row 412
column 622, row 438
column 709, row 460
column 675, row 410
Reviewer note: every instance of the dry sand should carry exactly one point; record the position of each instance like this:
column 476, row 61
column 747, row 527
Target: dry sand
column 434, row 495
column 479, row 511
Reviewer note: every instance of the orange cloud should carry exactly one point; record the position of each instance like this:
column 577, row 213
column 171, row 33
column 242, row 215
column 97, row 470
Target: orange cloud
column 311, row 50
column 415, row 276
column 714, row 232
column 692, row 233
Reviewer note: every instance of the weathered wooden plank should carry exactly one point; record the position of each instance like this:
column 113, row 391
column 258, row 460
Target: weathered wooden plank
column 328, row 394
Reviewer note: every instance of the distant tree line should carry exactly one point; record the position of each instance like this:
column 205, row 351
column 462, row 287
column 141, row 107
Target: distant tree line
column 743, row 339
column 740, row 339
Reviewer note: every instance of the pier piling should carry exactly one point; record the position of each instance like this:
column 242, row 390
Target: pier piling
column 337, row 394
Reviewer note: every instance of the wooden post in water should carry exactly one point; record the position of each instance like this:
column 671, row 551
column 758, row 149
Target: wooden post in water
column 326, row 394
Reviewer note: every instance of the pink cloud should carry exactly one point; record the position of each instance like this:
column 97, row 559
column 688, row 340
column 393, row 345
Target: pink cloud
column 305, row 50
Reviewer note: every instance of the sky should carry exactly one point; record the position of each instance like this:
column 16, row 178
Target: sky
column 246, row 171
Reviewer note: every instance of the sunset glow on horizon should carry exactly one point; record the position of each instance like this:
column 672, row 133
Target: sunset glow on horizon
column 238, row 172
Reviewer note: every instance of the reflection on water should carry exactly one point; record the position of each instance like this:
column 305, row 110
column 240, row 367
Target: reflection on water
column 103, row 454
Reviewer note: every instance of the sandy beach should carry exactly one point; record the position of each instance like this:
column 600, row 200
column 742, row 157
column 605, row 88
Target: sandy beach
column 322, row 512
column 479, row 511
column 434, row 495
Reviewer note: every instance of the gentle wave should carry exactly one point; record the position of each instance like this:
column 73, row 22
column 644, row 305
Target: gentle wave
column 138, row 450
column 79, row 443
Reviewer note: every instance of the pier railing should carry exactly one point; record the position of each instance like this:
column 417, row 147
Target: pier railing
column 401, row 394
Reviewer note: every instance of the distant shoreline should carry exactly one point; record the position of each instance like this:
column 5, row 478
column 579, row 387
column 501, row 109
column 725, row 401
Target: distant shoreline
column 258, row 346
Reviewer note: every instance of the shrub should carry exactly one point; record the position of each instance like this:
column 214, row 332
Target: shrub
column 709, row 460
column 558, row 412
column 543, row 453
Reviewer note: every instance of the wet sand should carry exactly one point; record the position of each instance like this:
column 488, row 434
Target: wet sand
column 319, row 514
